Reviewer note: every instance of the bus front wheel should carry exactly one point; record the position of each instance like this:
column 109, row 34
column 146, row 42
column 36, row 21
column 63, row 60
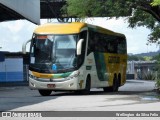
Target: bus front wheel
column 86, row 91
column 45, row 92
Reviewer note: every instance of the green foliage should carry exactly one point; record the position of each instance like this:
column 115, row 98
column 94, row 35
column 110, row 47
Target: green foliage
column 101, row 8
column 157, row 58
column 158, row 85
column 147, row 76
column 155, row 2
column 158, row 81
column 138, row 12
column 147, row 58
column 142, row 18
column 157, row 69
column 135, row 58
column 83, row 8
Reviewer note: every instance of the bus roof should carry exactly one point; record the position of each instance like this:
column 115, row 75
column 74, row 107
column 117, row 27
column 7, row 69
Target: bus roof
column 60, row 28
column 70, row 28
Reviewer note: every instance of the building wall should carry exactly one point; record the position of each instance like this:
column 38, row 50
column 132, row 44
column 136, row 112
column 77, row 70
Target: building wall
column 11, row 70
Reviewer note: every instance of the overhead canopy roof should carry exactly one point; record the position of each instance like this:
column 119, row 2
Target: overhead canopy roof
column 20, row 9
column 31, row 10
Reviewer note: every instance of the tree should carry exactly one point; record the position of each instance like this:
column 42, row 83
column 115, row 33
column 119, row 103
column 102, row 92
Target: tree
column 157, row 69
column 155, row 2
column 157, row 58
column 135, row 58
column 139, row 12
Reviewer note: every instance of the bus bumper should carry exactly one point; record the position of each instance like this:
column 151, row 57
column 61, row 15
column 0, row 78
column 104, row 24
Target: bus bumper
column 63, row 85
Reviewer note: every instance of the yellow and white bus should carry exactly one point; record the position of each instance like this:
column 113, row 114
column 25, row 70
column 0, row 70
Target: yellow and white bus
column 76, row 57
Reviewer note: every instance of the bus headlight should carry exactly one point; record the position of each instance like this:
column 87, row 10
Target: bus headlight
column 33, row 77
column 74, row 75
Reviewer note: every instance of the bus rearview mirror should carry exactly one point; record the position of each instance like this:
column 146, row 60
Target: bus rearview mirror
column 79, row 46
column 24, row 46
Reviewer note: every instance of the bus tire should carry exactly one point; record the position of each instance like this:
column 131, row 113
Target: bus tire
column 45, row 92
column 119, row 80
column 115, row 85
column 113, row 88
column 86, row 91
column 107, row 89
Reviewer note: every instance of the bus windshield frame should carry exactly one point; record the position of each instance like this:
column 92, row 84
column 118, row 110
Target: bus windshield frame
column 53, row 53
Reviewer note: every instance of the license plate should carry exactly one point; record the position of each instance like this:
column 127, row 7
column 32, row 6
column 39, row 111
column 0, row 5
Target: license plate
column 51, row 85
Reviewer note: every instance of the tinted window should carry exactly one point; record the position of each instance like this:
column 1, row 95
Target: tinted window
column 99, row 42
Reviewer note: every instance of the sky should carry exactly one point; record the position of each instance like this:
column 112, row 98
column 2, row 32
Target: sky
column 15, row 33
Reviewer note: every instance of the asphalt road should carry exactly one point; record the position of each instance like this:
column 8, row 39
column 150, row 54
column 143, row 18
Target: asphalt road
column 135, row 95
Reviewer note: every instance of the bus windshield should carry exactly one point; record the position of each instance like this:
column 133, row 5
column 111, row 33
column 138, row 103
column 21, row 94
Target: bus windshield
column 53, row 52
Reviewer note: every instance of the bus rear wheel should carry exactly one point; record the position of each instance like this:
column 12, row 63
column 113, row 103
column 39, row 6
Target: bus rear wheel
column 113, row 88
column 115, row 85
column 45, row 92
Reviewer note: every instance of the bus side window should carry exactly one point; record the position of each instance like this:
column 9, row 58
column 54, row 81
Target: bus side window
column 111, row 44
column 90, row 43
column 122, row 46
